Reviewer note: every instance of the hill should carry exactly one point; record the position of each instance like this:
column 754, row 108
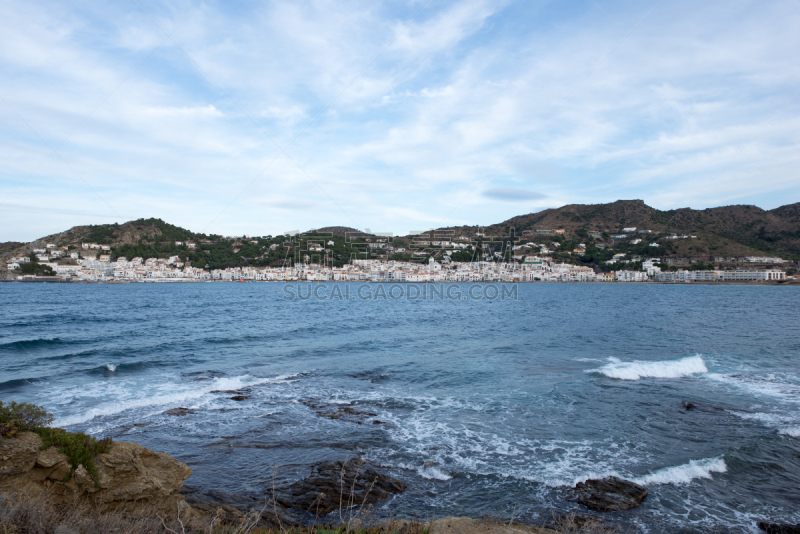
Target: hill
column 341, row 231
column 711, row 235
column 724, row 231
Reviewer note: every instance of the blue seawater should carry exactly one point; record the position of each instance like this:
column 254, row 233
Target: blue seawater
column 488, row 406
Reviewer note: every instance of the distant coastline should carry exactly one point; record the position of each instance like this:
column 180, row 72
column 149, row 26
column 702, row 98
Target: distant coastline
column 58, row 280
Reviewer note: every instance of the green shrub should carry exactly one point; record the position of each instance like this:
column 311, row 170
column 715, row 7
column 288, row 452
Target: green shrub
column 79, row 448
column 19, row 416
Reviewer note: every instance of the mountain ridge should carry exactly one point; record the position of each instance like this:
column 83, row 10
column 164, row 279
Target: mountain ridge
column 735, row 230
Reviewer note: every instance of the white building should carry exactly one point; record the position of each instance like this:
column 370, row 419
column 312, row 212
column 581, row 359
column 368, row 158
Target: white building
column 630, row 276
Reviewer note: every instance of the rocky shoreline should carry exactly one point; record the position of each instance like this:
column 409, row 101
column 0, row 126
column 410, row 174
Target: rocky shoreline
column 129, row 474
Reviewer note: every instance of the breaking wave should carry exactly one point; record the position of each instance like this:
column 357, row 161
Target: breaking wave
column 791, row 431
column 666, row 369
column 176, row 395
column 684, row 474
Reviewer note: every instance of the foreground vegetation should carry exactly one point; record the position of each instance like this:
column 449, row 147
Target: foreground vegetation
column 79, row 448
column 42, row 514
column 22, row 513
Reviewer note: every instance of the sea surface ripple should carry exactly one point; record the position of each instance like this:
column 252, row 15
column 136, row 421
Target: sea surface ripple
column 487, row 407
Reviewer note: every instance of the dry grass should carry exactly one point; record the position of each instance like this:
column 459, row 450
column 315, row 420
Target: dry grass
column 41, row 513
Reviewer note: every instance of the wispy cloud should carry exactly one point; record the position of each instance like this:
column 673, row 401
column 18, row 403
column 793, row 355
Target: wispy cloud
column 697, row 106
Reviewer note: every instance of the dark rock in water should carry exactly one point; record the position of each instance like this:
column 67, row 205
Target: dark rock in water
column 345, row 413
column 778, row 528
column 339, row 484
column 609, row 494
column 429, row 463
column 689, row 405
column 240, row 397
column 377, row 422
column 174, row 411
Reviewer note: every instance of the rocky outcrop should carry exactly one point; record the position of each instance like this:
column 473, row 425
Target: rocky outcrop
column 608, row 494
column 339, row 484
column 127, row 473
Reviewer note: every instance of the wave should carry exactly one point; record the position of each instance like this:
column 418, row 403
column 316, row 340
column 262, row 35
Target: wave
column 784, row 388
column 430, row 472
column 163, row 399
column 433, row 473
column 111, row 367
column 786, row 425
column 666, row 369
column 17, row 382
column 31, row 343
column 684, row 474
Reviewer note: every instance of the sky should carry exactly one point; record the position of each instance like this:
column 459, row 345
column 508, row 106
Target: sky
column 257, row 118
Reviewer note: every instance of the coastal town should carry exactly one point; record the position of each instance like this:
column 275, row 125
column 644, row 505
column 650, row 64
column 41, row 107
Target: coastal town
column 519, row 262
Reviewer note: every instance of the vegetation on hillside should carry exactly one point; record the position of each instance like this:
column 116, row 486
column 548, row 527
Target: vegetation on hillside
column 730, row 231
column 35, row 268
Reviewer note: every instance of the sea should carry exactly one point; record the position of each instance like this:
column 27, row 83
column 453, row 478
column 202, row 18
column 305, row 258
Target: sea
column 485, row 406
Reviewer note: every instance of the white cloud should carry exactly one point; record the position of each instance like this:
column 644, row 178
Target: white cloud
column 696, row 93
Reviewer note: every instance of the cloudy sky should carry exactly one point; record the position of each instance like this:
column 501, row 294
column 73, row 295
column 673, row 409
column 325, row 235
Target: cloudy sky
column 260, row 117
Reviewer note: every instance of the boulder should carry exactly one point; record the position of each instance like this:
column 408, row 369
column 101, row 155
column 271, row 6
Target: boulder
column 608, row 494
column 339, row 484
column 18, row 454
column 127, row 473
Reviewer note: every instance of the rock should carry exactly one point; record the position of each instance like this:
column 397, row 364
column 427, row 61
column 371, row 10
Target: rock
column 346, row 413
column 128, row 473
column 335, row 484
column 689, row 405
column 180, row 411
column 50, row 457
column 240, row 397
column 429, row 463
column 778, row 528
column 60, row 472
column 18, row 454
column 377, row 422
column 609, row 494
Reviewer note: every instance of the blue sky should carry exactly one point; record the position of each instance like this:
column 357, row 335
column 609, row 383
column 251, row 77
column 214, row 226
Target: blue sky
column 257, row 118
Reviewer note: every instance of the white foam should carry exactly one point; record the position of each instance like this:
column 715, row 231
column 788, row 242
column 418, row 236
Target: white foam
column 111, row 367
column 684, row 474
column 131, row 396
column 434, row 473
column 785, row 425
column 666, row 369
column 793, row 431
column 781, row 388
